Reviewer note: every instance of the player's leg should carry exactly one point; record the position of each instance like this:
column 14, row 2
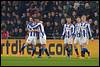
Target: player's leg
column 40, row 48
column 66, row 46
column 43, row 46
column 75, row 46
column 76, row 50
column 85, row 46
column 33, row 46
column 70, row 45
column 82, row 48
column 45, row 49
column 28, row 41
column 40, row 51
column 33, row 51
column 82, row 51
column 25, row 45
column 67, row 49
column 70, row 40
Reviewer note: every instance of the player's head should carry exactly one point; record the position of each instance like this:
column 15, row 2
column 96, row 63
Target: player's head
column 83, row 17
column 31, row 19
column 78, row 19
column 68, row 19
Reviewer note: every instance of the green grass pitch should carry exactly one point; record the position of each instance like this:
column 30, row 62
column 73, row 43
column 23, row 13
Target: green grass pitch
column 52, row 61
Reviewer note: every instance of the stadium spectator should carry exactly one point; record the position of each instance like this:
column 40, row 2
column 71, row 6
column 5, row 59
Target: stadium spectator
column 15, row 33
column 5, row 34
column 21, row 33
column 15, row 14
column 48, row 29
column 56, row 30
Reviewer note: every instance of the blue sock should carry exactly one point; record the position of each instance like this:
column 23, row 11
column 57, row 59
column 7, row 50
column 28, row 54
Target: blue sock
column 40, row 51
column 45, row 49
column 69, row 51
column 85, row 49
column 82, row 52
column 33, row 49
column 23, row 48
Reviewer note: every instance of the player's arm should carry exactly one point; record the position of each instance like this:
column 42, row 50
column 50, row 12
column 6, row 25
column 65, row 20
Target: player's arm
column 73, row 30
column 29, row 28
column 42, row 29
column 88, row 27
column 64, row 31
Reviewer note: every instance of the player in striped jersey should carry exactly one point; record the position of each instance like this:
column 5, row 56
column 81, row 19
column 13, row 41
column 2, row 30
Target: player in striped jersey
column 85, row 31
column 32, row 29
column 42, row 38
column 67, row 34
column 77, row 39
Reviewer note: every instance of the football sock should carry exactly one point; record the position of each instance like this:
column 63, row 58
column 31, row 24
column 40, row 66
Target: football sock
column 68, row 52
column 71, row 49
column 40, row 50
column 33, row 51
column 86, row 50
column 82, row 52
column 45, row 49
column 76, row 50
column 22, row 48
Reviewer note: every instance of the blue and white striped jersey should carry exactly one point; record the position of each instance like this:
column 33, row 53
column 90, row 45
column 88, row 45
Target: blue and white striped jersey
column 85, row 29
column 38, row 26
column 68, row 30
column 32, row 26
column 77, row 30
column 41, row 28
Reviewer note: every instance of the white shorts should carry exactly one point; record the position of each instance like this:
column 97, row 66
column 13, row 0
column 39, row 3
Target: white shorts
column 77, row 40
column 42, row 40
column 84, row 40
column 68, row 40
column 32, row 40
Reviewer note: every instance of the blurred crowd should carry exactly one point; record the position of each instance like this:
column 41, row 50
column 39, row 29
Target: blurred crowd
column 15, row 16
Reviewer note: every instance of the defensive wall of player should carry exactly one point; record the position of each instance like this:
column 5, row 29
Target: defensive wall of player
column 10, row 47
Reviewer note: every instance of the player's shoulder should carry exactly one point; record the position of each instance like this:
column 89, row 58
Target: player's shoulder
column 39, row 24
column 29, row 23
column 65, row 24
column 88, row 24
